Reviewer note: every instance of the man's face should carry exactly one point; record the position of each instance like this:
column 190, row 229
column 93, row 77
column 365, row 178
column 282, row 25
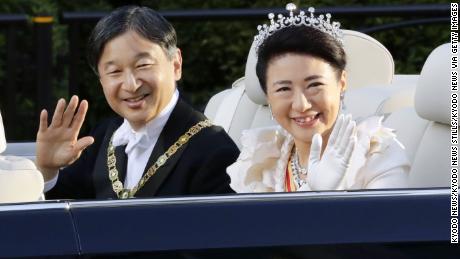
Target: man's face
column 137, row 77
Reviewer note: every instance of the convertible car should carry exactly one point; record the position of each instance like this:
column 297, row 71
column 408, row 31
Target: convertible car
column 418, row 222
column 349, row 224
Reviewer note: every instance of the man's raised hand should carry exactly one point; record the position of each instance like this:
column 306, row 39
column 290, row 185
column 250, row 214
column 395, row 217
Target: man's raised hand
column 58, row 144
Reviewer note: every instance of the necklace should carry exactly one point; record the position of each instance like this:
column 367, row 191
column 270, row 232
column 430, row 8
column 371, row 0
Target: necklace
column 117, row 185
column 297, row 169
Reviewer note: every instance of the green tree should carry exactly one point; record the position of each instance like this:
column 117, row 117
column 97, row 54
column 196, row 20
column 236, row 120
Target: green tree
column 214, row 51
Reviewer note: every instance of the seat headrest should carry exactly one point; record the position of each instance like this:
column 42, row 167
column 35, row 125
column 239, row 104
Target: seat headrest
column 251, row 81
column 20, row 186
column 2, row 136
column 20, row 181
column 432, row 94
column 368, row 63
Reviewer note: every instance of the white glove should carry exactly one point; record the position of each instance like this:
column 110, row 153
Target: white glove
column 326, row 172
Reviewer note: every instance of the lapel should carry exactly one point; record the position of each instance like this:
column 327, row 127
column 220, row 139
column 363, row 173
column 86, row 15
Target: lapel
column 102, row 183
column 180, row 120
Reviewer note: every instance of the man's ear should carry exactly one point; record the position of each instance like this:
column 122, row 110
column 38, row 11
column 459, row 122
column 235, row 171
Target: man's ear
column 177, row 62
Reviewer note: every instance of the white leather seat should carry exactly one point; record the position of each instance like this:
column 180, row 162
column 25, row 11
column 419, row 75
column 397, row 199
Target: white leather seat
column 22, row 149
column 2, row 136
column 425, row 129
column 20, row 181
column 368, row 61
column 370, row 70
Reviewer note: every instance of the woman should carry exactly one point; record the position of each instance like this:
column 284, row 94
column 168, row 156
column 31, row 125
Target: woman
column 301, row 68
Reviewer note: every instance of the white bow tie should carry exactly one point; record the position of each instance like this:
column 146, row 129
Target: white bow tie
column 132, row 139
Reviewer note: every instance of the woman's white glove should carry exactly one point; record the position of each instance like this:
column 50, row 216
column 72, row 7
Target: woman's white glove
column 326, row 172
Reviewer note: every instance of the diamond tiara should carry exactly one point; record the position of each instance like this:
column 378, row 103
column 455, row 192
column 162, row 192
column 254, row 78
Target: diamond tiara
column 310, row 20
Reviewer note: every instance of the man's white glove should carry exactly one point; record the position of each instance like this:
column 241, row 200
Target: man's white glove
column 326, row 172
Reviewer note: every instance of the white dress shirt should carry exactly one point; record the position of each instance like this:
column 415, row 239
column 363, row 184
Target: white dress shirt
column 139, row 144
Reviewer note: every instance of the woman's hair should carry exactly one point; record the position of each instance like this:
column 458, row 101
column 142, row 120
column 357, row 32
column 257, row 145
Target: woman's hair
column 299, row 40
column 142, row 20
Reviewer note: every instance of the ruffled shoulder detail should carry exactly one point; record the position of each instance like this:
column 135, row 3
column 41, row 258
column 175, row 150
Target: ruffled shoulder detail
column 281, row 165
column 255, row 167
column 377, row 150
column 373, row 136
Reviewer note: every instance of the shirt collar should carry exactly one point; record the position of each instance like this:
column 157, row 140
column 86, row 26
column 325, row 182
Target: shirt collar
column 142, row 138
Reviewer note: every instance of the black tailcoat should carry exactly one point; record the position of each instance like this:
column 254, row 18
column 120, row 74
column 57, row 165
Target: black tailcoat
column 198, row 167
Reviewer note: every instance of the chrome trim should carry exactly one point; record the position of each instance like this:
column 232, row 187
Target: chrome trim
column 260, row 197
column 67, row 205
column 35, row 206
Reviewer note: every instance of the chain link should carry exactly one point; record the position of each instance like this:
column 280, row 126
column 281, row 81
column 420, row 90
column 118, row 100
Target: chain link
column 117, row 185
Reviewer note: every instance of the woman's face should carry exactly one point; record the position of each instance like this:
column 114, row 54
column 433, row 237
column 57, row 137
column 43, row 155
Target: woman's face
column 304, row 94
column 137, row 77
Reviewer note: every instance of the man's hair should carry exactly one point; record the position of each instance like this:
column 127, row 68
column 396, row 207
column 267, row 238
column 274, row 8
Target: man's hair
column 142, row 20
column 302, row 40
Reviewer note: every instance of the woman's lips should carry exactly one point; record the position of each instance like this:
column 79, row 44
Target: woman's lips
column 306, row 121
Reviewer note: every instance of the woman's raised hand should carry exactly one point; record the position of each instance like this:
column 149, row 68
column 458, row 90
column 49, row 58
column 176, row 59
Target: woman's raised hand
column 58, row 144
column 326, row 172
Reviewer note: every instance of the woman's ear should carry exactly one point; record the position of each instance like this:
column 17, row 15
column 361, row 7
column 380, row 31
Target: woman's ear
column 343, row 81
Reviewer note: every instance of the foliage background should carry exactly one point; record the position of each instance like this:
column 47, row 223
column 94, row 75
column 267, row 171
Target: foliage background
column 214, row 52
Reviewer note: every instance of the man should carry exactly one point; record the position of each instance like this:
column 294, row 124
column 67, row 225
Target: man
column 158, row 146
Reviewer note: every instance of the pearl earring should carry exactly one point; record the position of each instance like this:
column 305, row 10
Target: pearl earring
column 342, row 102
column 271, row 113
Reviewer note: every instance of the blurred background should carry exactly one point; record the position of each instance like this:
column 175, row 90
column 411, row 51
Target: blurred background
column 43, row 46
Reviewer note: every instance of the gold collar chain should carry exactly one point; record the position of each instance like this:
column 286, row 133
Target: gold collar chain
column 117, row 185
